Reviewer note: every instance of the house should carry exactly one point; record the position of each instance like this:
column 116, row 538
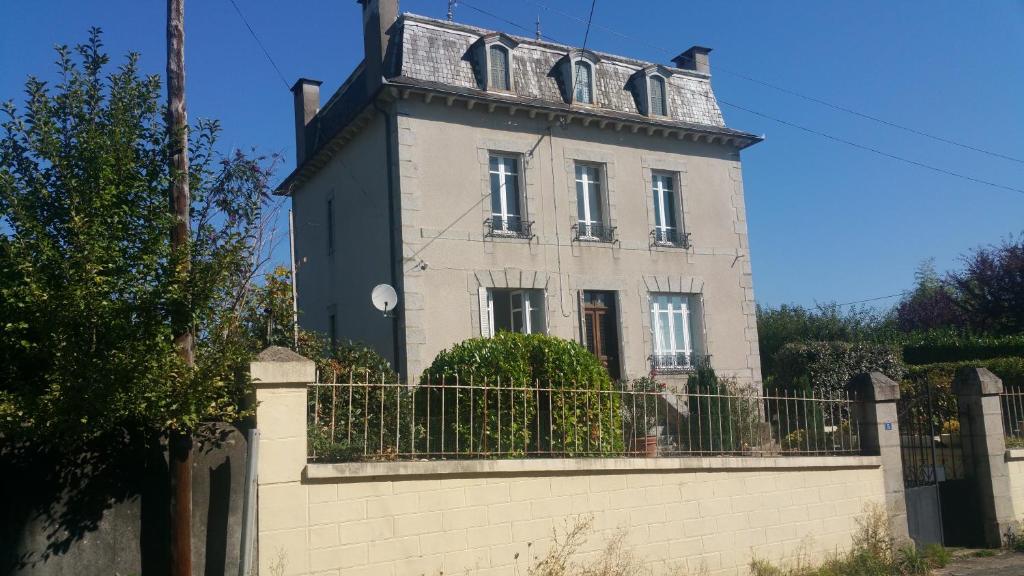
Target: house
column 506, row 183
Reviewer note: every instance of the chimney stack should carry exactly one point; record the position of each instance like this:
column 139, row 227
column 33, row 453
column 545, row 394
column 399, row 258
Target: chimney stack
column 378, row 17
column 696, row 59
column 306, row 95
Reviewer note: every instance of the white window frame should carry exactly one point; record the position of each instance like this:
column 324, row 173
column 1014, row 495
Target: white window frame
column 590, row 81
column 662, row 206
column 525, row 309
column 586, row 225
column 503, row 191
column 684, row 314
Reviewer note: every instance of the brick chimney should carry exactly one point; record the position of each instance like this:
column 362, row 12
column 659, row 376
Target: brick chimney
column 378, row 17
column 696, row 59
column 306, row 94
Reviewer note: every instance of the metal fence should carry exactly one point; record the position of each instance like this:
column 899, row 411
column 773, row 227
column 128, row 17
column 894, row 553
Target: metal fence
column 367, row 420
column 1013, row 416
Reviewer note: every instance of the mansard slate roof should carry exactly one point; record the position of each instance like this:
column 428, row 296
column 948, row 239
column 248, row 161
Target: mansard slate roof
column 438, row 56
column 440, row 53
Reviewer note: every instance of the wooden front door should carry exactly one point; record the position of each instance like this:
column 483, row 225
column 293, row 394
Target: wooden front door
column 600, row 327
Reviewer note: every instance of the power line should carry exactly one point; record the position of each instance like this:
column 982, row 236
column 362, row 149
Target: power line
column 258, row 41
column 806, row 129
column 898, row 294
column 873, row 150
column 791, row 92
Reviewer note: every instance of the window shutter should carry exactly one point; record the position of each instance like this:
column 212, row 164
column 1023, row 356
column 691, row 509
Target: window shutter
column 485, row 315
column 498, row 68
column 657, row 87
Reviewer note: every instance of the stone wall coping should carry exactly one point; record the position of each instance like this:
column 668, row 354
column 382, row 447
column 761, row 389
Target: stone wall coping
column 1014, row 454
column 384, row 471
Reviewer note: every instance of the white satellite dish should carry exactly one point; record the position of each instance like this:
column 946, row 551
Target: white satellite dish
column 384, row 298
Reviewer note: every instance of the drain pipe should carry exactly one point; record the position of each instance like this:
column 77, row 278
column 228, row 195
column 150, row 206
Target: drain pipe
column 396, row 232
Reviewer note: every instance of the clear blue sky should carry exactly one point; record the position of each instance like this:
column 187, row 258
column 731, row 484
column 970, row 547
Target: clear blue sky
column 827, row 222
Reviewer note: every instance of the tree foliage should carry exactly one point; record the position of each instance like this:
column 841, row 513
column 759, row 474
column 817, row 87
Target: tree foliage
column 990, row 287
column 86, row 264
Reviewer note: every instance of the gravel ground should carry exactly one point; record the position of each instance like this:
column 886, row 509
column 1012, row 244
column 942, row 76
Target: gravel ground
column 1003, row 564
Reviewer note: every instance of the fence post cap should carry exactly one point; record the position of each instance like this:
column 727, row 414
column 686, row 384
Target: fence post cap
column 976, row 382
column 874, row 386
column 279, row 365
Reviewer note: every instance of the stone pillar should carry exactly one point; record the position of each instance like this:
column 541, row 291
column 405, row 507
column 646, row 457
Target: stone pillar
column 281, row 378
column 879, row 434
column 981, row 431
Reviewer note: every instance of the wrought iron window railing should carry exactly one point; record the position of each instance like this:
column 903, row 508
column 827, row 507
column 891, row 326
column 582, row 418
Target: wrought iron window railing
column 593, row 232
column 445, row 418
column 508, row 227
column 670, row 237
column 679, row 362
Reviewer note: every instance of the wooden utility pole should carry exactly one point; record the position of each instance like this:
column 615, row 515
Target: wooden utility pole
column 180, row 442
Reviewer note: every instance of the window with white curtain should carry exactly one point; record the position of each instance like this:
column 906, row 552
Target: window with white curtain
column 505, row 196
column 666, row 230
column 589, row 201
column 673, row 326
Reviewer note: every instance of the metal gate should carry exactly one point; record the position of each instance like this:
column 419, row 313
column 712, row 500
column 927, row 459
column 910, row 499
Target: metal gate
column 940, row 492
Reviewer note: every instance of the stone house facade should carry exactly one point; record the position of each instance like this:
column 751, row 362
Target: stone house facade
column 506, row 183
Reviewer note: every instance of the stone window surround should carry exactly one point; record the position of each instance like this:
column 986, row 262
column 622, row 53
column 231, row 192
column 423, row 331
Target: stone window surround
column 514, row 278
column 666, row 284
column 677, row 168
column 528, row 181
column 608, row 174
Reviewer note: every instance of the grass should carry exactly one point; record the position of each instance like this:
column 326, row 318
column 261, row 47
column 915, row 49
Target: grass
column 873, row 553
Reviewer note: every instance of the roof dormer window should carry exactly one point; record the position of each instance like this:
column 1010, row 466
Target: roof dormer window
column 497, row 67
column 579, row 71
column 494, row 59
column 650, row 88
column 656, row 86
column 584, row 83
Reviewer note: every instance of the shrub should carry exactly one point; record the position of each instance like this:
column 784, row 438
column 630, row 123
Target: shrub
column 724, row 415
column 954, row 346
column 826, row 367
column 347, row 423
column 572, row 411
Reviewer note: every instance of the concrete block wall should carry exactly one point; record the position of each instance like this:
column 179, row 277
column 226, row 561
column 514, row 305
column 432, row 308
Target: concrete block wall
column 712, row 518
column 496, row 517
column 1015, row 466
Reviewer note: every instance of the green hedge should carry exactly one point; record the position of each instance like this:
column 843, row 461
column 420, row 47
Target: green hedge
column 1010, row 370
column 826, row 367
column 945, row 346
column 517, row 419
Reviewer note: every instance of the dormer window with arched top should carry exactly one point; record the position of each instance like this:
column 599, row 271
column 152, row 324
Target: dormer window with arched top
column 494, row 59
column 650, row 88
column 579, row 71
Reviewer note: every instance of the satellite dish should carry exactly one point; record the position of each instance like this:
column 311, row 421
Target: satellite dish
column 384, row 298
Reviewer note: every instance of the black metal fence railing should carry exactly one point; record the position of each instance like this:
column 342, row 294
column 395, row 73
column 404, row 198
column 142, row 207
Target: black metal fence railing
column 593, row 232
column 931, row 447
column 508, row 227
column 449, row 419
column 670, row 237
column 1013, row 416
column 678, row 362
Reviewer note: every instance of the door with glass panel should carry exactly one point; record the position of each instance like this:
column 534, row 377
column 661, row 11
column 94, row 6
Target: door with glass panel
column 601, row 328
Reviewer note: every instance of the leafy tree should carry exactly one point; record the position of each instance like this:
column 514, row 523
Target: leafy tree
column 932, row 305
column 991, row 287
column 788, row 323
column 86, row 264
